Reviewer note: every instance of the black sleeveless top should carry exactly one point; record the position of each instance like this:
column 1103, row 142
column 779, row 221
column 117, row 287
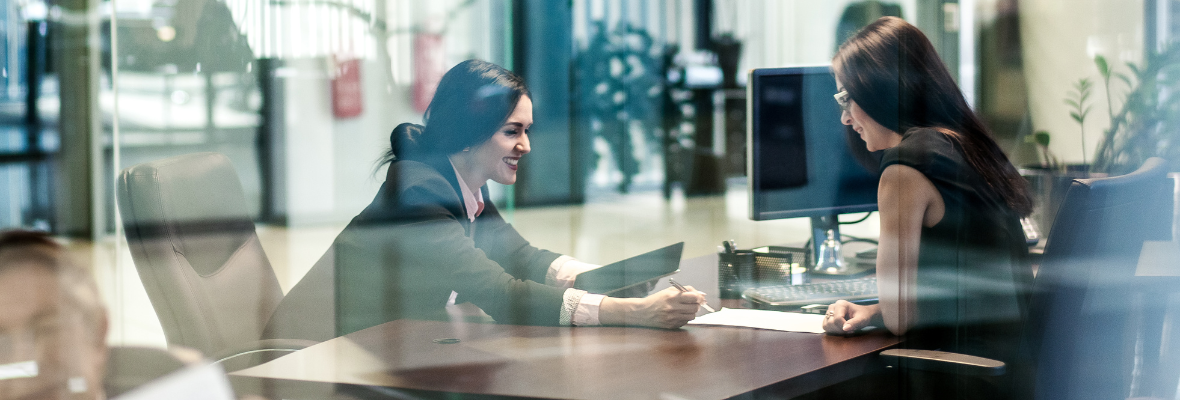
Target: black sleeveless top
column 972, row 269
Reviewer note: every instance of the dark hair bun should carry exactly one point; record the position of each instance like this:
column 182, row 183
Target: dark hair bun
column 404, row 140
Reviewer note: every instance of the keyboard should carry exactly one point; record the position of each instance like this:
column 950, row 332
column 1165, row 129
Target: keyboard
column 795, row 296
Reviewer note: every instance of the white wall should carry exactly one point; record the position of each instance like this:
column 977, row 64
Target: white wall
column 1060, row 38
column 777, row 33
column 329, row 162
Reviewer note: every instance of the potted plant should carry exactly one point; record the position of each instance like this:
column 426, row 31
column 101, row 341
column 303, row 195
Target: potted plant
column 1148, row 123
column 1145, row 124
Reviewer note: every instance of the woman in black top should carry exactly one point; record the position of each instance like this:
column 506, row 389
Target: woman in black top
column 429, row 239
column 950, row 263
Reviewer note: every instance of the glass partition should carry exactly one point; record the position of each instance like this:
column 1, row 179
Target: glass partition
column 220, row 136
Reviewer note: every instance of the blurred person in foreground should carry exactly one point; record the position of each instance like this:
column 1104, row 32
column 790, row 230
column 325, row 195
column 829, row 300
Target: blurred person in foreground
column 52, row 323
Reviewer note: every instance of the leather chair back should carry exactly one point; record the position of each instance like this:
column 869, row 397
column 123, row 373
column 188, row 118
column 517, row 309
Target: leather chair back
column 1080, row 326
column 196, row 251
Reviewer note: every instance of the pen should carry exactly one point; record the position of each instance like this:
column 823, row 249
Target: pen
column 684, row 289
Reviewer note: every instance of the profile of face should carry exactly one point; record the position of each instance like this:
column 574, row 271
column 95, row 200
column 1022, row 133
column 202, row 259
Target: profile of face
column 48, row 349
column 497, row 158
column 876, row 136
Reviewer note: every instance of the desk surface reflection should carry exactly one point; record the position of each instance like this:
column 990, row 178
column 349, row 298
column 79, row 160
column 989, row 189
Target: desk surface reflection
column 584, row 363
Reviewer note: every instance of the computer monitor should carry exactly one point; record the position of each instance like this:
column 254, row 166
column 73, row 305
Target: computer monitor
column 800, row 160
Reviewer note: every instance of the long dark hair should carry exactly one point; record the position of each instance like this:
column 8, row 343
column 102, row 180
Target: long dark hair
column 893, row 73
column 472, row 101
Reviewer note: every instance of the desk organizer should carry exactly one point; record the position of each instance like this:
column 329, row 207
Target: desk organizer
column 744, row 269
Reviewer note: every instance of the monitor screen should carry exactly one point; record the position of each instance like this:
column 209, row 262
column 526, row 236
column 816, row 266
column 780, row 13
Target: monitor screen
column 800, row 161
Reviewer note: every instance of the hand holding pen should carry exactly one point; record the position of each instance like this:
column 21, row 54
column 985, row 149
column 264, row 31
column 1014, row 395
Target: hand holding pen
column 683, row 289
column 669, row 308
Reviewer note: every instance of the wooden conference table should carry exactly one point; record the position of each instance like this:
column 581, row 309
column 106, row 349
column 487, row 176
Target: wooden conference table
column 401, row 359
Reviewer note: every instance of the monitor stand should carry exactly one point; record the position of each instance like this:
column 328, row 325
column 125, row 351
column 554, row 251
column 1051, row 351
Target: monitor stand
column 825, row 249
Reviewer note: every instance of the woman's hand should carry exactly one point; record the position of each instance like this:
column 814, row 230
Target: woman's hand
column 668, row 309
column 844, row 317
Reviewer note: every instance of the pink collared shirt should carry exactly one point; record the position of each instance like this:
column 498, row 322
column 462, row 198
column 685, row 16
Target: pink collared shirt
column 473, row 202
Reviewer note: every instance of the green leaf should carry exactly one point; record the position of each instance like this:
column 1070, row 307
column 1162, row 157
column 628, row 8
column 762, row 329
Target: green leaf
column 1072, row 103
column 1134, row 68
column 1126, row 79
column 1041, row 138
column 1103, row 67
column 1076, row 117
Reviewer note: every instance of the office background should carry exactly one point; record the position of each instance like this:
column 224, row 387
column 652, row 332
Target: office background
column 639, row 107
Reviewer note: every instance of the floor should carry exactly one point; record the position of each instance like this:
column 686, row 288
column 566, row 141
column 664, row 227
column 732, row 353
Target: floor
column 607, row 230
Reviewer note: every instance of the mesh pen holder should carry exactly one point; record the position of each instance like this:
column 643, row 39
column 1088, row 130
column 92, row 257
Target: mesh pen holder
column 774, row 265
column 735, row 272
column 745, row 269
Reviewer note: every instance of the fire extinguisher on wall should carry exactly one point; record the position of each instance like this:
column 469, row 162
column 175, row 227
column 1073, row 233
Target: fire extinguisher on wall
column 428, row 68
column 347, row 98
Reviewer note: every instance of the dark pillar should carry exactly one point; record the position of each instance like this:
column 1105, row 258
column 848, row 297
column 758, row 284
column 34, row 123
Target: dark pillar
column 78, row 185
column 40, row 211
column 703, row 10
column 34, row 70
column 271, row 144
column 706, row 177
column 542, row 55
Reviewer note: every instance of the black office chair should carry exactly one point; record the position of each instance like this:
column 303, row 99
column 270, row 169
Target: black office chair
column 1086, row 315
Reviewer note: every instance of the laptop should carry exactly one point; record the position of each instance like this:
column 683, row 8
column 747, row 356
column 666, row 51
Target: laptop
column 633, row 271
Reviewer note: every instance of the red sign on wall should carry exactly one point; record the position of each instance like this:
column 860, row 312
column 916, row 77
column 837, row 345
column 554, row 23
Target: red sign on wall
column 347, row 98
column 429, row 68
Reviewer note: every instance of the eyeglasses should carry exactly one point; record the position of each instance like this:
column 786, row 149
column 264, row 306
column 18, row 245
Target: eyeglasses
column 843, row 100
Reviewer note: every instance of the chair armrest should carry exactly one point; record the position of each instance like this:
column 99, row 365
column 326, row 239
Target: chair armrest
column 249, row 354
column 941, row 361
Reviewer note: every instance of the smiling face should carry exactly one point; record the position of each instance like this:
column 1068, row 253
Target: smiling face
column 876, row 136
column 496, row 159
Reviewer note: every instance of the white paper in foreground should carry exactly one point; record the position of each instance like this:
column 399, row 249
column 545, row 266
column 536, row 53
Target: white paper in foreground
column 201, row 382
column 763, row 319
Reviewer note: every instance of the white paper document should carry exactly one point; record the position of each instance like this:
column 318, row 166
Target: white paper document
column 199, row 382
column 763, row 319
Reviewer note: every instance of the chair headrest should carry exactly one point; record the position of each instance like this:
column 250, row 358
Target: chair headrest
column 1151, row 175
column 195, row 201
